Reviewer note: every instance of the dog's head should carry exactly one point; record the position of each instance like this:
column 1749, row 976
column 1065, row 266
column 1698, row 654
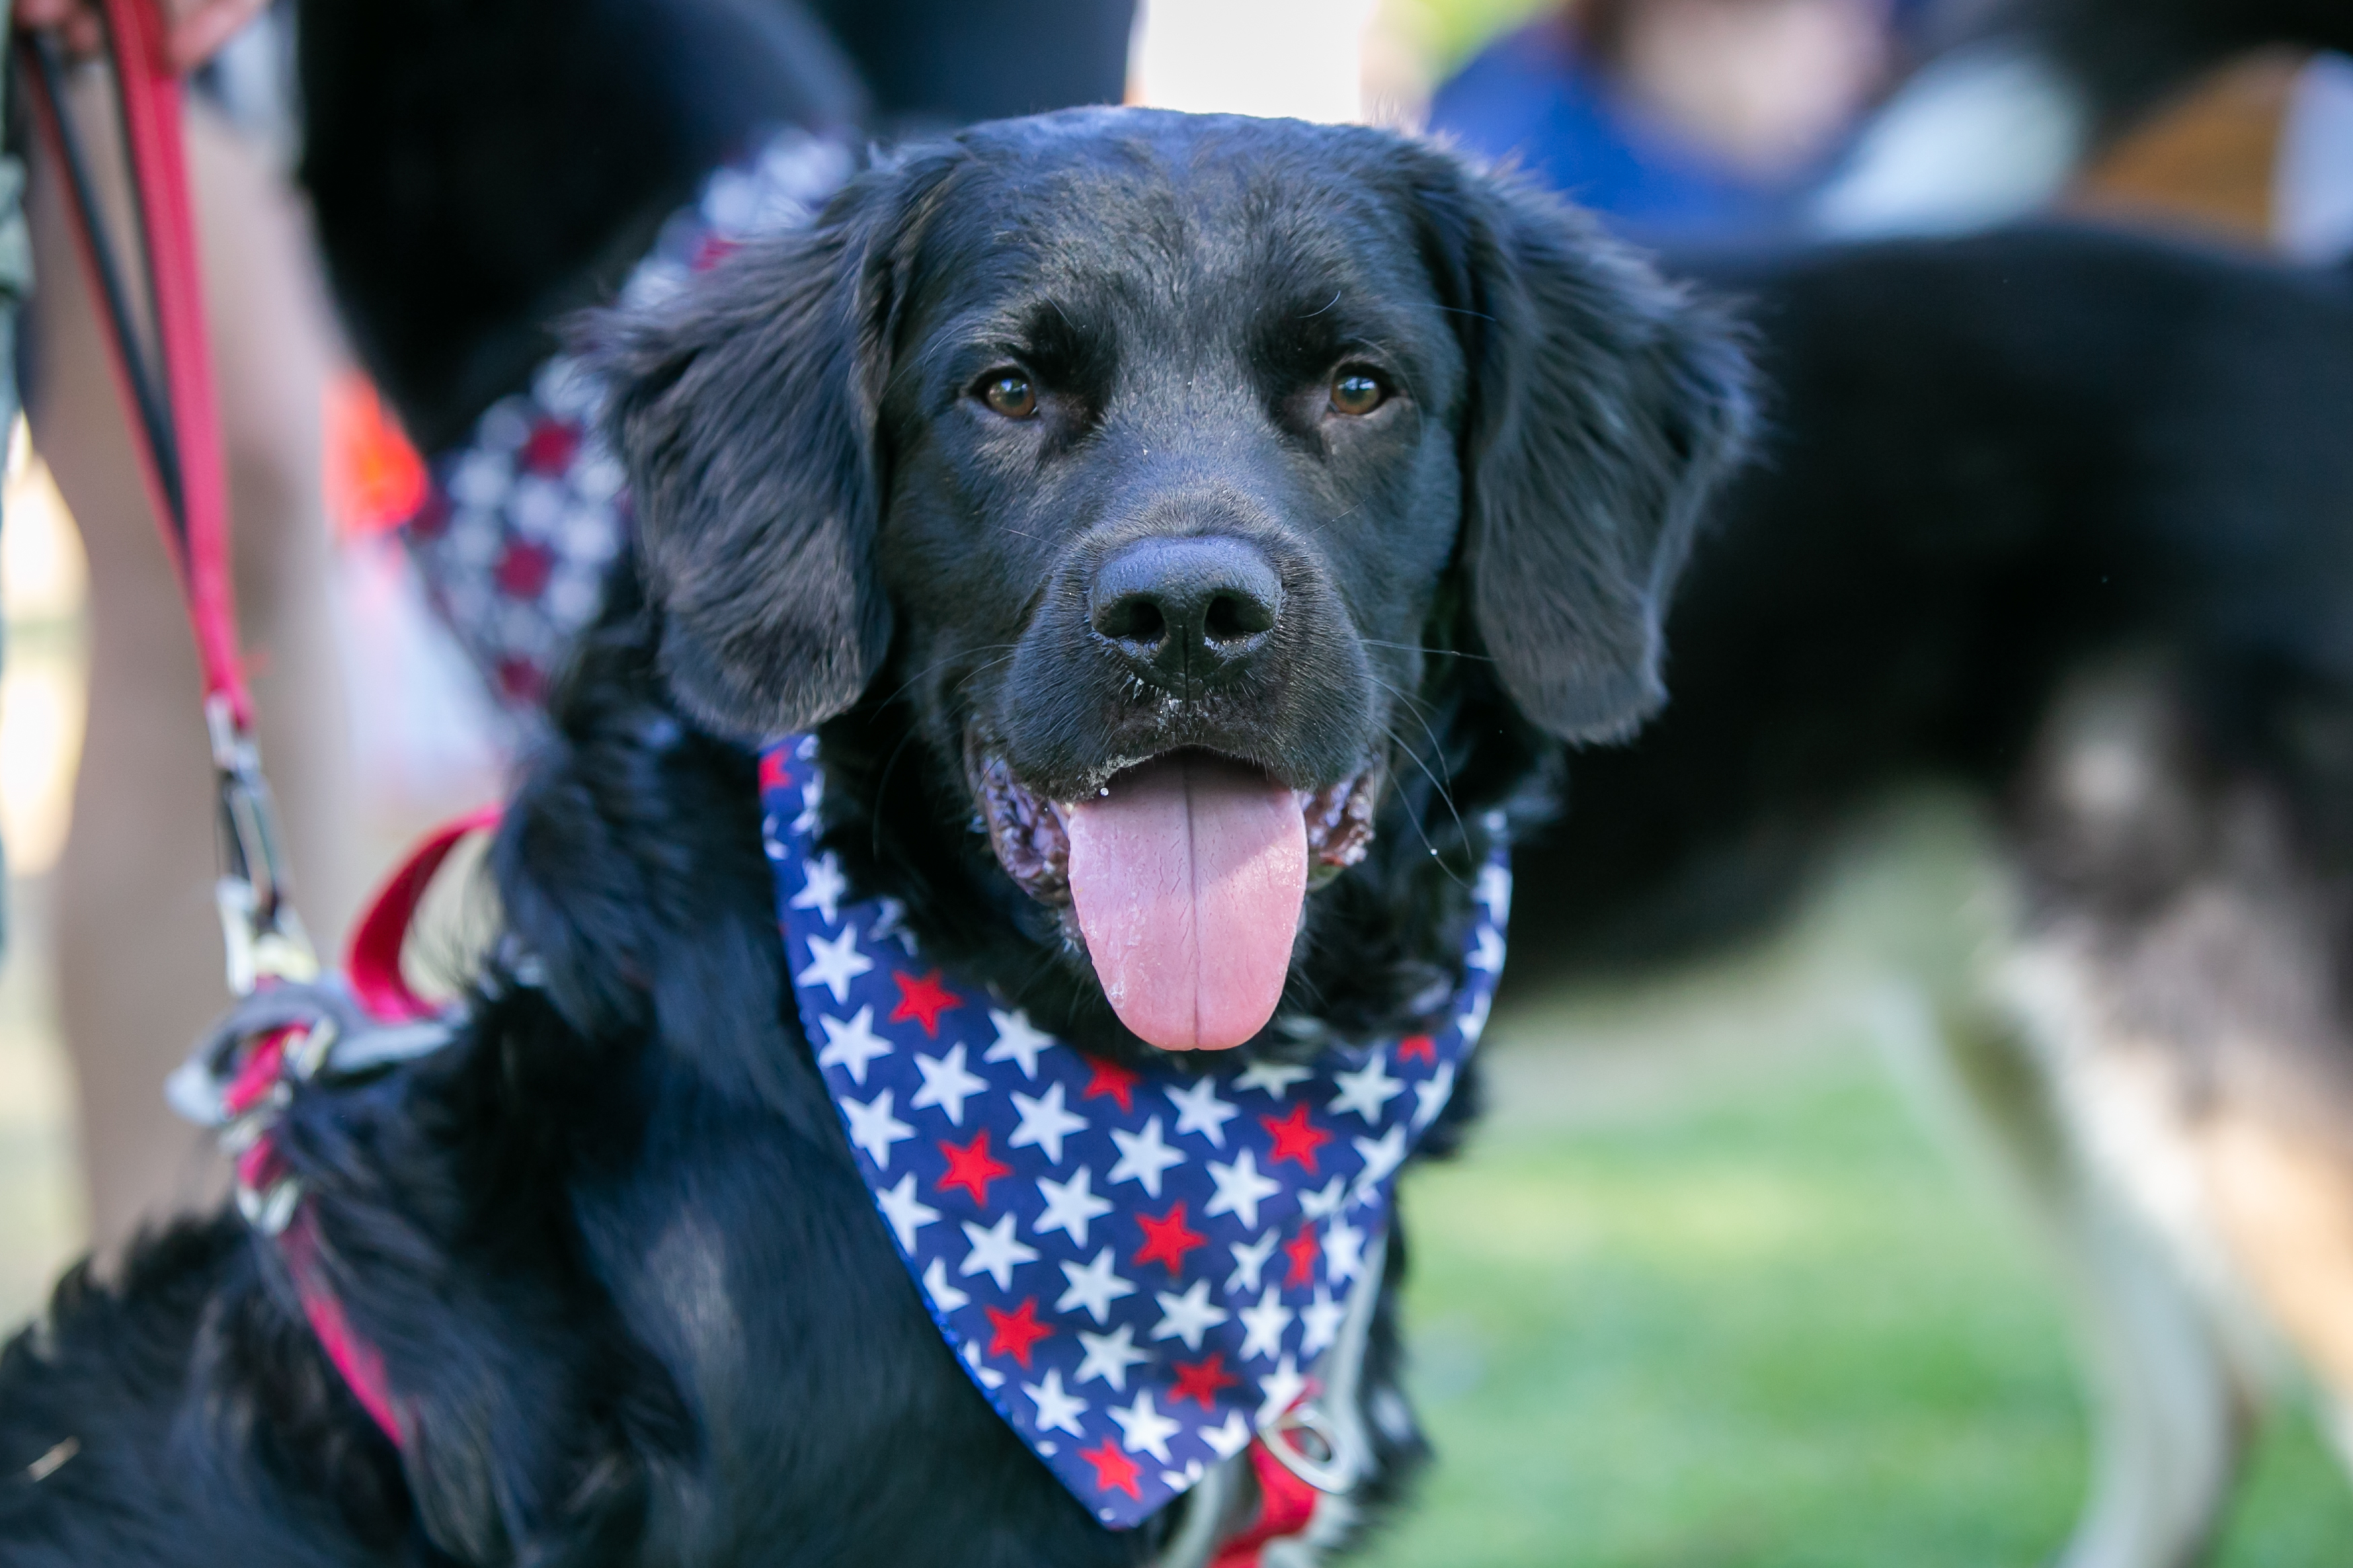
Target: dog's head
column 1161, row 472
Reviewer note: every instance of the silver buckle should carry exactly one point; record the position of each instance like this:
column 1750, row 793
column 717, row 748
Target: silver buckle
column 263, row 935
column 1307, row 1443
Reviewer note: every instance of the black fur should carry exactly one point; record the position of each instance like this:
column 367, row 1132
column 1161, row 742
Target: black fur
column 479, row 169
column 1550, row 390
column 634, row 1303
column 1987, row 464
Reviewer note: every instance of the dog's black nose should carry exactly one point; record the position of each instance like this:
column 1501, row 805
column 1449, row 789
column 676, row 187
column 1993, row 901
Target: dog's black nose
column 1186, row 612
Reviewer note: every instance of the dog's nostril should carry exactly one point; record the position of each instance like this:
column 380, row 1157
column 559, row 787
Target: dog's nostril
column 1234, row 617
column 1132, row 618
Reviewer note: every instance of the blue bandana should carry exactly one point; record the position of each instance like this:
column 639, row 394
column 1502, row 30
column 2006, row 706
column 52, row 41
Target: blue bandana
column 1139, row 1267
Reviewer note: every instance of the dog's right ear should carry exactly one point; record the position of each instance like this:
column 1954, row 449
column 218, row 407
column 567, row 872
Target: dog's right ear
column 743, row 412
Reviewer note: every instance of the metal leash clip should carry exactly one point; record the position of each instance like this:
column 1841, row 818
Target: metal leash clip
column 1309, row 1444
column 245, row 1074
column 264, row 936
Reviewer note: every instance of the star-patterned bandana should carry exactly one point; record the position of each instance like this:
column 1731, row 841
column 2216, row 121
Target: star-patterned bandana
column 1138, row 1267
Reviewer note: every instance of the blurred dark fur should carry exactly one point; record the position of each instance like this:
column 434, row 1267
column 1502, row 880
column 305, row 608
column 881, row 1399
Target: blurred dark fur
column 1985, row 463
column 480, row 170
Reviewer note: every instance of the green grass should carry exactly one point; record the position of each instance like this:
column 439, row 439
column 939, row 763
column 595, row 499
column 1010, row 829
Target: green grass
column 1772, row 1331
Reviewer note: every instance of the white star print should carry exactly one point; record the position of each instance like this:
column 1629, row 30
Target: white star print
column 1143, row 1157
column 1249, row 1258
column 1473, row 1022
column 1382, row 1156
column 1018, row 1040
column 1239, row 1188
column 1326, row 1203
column 1071, row 1207
column 1044, row 1124
column 944, row 1296
column 769, row 842
column 1230, row 1439
column 851, row 1044
column 1266, row 1323
column 834, row 964
column 1198, row 1109
column 1177, row 1480
column 873, row 1129
column 907, row 1213
column 1343, row 1251
column 1143, row 1429
column 1320, row 1321
column 1489, row 957
column 1279, row 1391
column 1110, row 1356
column 1432, row 1093
column 893, row 924
column 1366, row 1090
column 1093, row 1287
column 980, row 1369
column 1057, row 1411
column 1188, row 1316
column 825, row 887
column 996, row 1250
column 1495, row 892
column 947, row 1084
column 1275, row 1077
column 812, row 796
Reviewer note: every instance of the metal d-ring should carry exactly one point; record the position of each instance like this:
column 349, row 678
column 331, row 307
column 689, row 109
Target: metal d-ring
column 1307, row 1442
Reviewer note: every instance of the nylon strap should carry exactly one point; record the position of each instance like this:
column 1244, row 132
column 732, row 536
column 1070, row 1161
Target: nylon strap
column 162, row 359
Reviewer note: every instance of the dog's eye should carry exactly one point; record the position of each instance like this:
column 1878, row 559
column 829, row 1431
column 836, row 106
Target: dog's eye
column 1357, row 392
column 1008, row 392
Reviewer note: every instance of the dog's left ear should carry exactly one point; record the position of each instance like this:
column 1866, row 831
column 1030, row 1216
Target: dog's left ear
column 744, row 411
column 1604, row 405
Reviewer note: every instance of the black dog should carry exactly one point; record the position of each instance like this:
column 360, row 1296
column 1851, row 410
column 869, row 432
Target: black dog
column 1067, row 444
column 2066, row 517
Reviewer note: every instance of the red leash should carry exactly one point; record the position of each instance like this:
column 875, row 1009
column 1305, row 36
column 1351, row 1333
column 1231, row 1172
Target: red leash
column 242, row 1085
column 168, row 398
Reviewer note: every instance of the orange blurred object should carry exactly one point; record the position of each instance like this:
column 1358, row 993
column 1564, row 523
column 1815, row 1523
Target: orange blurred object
column 375, row 481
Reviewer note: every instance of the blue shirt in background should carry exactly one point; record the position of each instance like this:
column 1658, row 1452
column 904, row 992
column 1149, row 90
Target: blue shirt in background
column 1529, row 100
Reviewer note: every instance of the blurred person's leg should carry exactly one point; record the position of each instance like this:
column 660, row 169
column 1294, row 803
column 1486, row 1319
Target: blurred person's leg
column 139, row 944
column 16, row 277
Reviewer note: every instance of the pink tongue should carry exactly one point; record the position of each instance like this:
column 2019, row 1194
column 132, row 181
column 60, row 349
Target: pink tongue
column 1187, row 877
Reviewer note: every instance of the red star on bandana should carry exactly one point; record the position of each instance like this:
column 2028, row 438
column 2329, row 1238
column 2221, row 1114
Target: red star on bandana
column 1302, row 1250
column 1114, row 1080
column 1112, row 1468
column 550, row 447
column 1015, row 1331
column 1423, row 1046
column 924, row 1000
column 1168, row 1239
column 772, row 771
column 1294, row 1138
column 972, row 1167
column 1202, row 1380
